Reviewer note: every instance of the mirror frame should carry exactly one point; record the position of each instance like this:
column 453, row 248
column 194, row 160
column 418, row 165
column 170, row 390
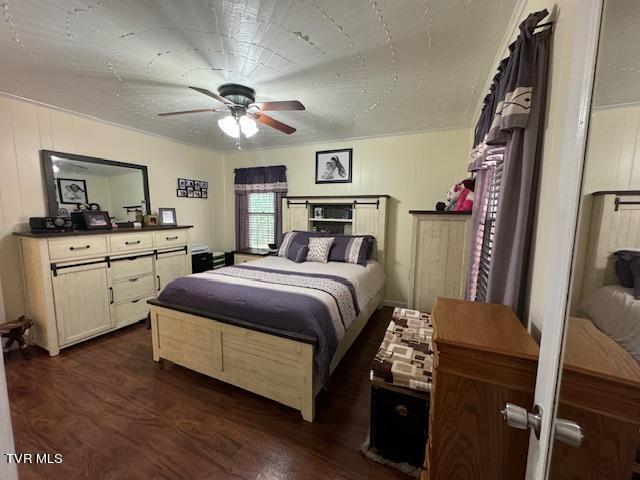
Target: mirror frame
column 50, row 180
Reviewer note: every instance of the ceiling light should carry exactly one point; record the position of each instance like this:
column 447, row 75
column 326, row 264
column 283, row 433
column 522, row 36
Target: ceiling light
column 248, row 126
column 229, row 126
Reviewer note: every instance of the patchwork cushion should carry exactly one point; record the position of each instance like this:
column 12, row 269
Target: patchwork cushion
column 297, row 252
column 319, row 249
column 405, row 358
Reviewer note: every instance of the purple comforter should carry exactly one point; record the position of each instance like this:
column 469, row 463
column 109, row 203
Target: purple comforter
column 282, row 311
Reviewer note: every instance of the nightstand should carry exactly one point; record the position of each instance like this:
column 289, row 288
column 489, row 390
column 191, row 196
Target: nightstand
column 249, row 254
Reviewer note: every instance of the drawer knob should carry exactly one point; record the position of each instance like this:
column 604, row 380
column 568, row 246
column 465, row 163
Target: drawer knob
column 80, row 248
column 171, row 238
column 137, row 242
column 133, row 279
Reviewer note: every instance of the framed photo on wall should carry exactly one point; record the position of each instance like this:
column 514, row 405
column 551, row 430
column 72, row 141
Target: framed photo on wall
column 72, row 190
column 334, row 166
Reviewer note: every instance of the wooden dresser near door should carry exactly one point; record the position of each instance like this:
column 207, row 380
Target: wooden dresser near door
column 439, row 257
column 601, row 392
column 483, row 358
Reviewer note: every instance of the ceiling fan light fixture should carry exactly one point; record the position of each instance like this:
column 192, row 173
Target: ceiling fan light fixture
column 229, row 126
column 248, row 126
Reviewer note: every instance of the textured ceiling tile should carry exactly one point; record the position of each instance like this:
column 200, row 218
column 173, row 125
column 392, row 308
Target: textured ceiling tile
column 362, row 67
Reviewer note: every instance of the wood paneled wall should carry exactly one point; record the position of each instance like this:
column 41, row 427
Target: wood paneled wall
column 26, row 128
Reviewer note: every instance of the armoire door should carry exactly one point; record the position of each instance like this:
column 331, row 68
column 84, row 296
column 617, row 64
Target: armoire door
column 170, row 266
column 82, row 297
column 295, row 215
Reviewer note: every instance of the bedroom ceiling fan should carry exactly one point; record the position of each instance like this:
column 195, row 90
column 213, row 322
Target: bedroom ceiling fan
column 244, row 112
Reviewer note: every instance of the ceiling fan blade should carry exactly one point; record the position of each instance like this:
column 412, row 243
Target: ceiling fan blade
column 168, row 114
column 272, row 122
column 284, row 105
column 209, row 93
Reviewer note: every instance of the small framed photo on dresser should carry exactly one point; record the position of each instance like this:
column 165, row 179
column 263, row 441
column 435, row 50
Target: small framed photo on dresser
column 334, row 166
column 167, row 217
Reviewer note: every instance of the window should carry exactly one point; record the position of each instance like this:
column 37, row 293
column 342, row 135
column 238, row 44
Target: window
column 489, row 231
column 262, row 219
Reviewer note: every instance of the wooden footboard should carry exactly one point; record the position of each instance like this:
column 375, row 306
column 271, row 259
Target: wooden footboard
column 267, row 364
column 277, row 368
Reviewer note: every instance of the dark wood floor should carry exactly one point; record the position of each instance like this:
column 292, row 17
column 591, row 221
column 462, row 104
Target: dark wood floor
column 115, row 414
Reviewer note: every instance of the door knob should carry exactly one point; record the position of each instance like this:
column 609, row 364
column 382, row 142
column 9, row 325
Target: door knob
column 518, row 417
column 566, row 431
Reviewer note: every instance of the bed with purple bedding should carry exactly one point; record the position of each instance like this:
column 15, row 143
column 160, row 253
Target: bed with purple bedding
column 313, row 303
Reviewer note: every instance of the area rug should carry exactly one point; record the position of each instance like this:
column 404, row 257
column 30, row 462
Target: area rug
column 372, row 454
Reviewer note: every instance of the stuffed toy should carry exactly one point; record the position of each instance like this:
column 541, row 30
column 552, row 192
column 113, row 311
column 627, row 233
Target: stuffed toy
column 460, row 196
column 452, row 196
column 465, row 201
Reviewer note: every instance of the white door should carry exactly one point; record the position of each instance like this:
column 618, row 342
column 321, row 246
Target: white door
column 572, row 66
column 7, row 470
column 170, row 266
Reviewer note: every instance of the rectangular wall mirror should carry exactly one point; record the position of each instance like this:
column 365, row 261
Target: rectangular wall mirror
column 122, row 189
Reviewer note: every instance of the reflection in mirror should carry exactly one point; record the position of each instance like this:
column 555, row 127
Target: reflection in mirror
column 600, row 387
column 118, row 188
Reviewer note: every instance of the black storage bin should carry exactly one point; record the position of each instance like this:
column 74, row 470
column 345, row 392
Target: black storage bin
column 399, row 425
column 201, row 262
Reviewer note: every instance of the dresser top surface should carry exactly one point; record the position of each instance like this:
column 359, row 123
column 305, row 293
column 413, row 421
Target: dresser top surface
column 482, row 326
column 588, row 350
column 100, row 232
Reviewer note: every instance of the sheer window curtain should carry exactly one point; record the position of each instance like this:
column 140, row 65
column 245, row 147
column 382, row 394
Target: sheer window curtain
column 258, row 179
column 511, row 125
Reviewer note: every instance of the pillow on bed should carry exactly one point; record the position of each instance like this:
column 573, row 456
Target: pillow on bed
column 628, row 270
column 341, row 249
column 319, row 249
column 297, row 252
column 287, row 241
column 616, row 313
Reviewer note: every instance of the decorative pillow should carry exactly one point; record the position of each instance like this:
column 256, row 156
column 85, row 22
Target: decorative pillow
column 338, row 252
column 286, row 243
column 319, row 249
column 628, row 270
column 350, row 250
column 297, row 252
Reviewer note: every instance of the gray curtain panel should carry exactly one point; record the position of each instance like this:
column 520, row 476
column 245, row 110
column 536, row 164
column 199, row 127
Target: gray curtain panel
column 517, row 123
column 258, row 179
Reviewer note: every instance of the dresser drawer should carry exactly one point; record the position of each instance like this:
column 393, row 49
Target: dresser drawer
column 77, row 247
column 129, row 242
column 130, row 311
column 125, row 268
column 133, row 288
column 170, row 238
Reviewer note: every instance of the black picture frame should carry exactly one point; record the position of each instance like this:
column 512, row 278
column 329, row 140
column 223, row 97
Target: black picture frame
column 47, row 157
column 180, row 193
column 63, row 183
column 323, row 174
column 162, row 219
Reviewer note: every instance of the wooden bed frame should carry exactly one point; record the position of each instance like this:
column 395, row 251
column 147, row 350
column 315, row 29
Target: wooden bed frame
column 275, row 364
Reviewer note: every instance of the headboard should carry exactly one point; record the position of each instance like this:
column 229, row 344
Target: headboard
column 615, row 225
column 368, row 216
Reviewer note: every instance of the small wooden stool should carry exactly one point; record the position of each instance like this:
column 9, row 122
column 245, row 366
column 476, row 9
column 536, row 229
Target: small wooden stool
column 15, row 332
